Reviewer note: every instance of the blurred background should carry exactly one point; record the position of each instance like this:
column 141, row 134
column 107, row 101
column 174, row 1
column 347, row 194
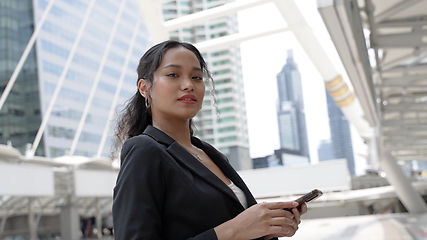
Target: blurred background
column 327, row 94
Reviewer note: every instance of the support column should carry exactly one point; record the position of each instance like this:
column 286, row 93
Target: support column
column 70, row 222
column 31, row 223
column 2, row 224
column 98, row 218
column 410, row 198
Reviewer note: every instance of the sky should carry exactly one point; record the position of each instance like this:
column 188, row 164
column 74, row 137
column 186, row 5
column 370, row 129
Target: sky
column 263, row 58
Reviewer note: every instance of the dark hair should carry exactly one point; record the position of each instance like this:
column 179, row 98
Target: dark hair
column 135, row 116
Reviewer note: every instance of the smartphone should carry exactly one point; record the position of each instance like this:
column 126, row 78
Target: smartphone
column 309, row 197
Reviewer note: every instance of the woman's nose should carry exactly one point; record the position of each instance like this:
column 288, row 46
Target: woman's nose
column 187, row 84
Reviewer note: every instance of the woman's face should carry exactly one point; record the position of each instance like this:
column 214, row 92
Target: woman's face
column 178, row 87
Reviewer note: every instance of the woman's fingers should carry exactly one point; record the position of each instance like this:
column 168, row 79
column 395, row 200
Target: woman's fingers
column 303, row 209
column 281, row 213
column 281, row 205
column 282, row 221
column 297, row 215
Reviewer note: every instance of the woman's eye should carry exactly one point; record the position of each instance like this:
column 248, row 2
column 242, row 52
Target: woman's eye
column 172, row 75
column 198, row 78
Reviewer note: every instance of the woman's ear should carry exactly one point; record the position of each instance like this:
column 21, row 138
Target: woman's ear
column 142, row 87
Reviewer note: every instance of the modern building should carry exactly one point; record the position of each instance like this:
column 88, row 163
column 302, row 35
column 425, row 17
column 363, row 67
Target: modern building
column 290, row 112
column 95, row 67
column 222, row 120
column 340, row 134
column 325, row 150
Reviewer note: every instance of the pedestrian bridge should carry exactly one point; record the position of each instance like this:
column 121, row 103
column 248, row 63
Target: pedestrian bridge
column 69, row 187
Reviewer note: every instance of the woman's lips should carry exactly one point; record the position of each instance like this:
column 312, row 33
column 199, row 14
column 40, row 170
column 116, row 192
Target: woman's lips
column 187, row 99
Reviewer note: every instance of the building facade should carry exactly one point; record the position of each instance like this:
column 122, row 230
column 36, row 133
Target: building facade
column 222, row 120
column 31, row 95
column 325, row 150
column 290, row 109
column 340, row 134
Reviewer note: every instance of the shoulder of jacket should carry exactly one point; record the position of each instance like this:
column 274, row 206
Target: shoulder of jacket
column 141, row 144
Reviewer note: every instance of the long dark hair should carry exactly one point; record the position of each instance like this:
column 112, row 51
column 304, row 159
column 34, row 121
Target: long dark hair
column 135, row 116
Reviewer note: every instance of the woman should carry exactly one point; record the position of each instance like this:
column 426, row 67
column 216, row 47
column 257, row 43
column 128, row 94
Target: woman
column 172, row 185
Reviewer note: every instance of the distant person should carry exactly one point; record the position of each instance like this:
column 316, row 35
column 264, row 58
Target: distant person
column 83, row 226
column 92, row 225
column 109, row 223
column 172, row 185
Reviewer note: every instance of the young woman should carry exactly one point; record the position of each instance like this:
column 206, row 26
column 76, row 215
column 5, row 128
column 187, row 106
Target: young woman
column 172, row 185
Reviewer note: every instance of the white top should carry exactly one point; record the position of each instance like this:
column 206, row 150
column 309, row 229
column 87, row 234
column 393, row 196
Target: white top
column 239, row 194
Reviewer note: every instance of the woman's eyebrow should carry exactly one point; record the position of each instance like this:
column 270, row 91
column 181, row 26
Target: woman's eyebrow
column 179, row 66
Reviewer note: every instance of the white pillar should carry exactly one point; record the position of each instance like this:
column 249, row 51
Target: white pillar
column 410, row 198
column 2, row 224
column 31, row 220
column 98, row 218
column 70, row 222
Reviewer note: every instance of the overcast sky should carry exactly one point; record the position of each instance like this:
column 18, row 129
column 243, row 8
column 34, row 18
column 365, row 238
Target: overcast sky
column 263, row 59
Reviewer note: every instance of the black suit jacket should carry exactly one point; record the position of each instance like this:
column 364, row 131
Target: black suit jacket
column 163, row 192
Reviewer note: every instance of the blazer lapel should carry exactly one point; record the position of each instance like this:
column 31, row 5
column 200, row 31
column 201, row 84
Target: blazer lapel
column 222, row 162
column 184, row 158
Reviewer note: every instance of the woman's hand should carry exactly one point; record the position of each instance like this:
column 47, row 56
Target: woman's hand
column 297, row 219
column 261, row 220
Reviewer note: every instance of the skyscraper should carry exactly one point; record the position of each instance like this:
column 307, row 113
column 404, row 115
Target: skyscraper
column 340, row 134
column 228, row 132
column 92, row 60
column 325, row 150
column 290, row 112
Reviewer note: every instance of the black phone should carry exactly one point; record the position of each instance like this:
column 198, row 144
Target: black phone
column 309, row 197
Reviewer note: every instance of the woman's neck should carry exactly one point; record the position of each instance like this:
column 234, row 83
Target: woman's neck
column 177, row 130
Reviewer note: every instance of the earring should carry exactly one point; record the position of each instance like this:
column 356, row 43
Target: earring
column 147, row 103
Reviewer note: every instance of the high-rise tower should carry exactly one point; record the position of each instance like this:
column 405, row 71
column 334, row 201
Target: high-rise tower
column 290, row 112
column 340, row 134
column 228, row 132
column 32, row 93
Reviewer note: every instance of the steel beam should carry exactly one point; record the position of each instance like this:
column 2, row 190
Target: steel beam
column 410, row 198
column 403, row 23
column 216, row 12
column 118, row 89
column 395, row 9
column 406, row 142
column 97, row 78
column 25, row 54
column 403, row 40
column 151, row 10
column 233, row 39
column 37, row 139
column 404, row 107
column 342, row 19
column 407, row 79
column 392, row 66
column 412, row 157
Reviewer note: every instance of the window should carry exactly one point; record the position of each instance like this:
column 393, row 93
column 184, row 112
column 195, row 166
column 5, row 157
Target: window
column 223, row 81
column 227, row 139
column 225, row 71
column 225, row 100
column 216, row 35
column 226, row 90
column 227, row 129
column 219, row 25
column 226, row 119
column 221, row 53
column 223, row 62
column 225, row 110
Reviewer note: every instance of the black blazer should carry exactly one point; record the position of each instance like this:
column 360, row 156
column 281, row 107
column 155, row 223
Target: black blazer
column 163, row 192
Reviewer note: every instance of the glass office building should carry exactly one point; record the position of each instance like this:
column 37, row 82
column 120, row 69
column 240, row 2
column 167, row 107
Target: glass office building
column 32, row 93
column 290, row 112
column 228, row 132
column 340, row 134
